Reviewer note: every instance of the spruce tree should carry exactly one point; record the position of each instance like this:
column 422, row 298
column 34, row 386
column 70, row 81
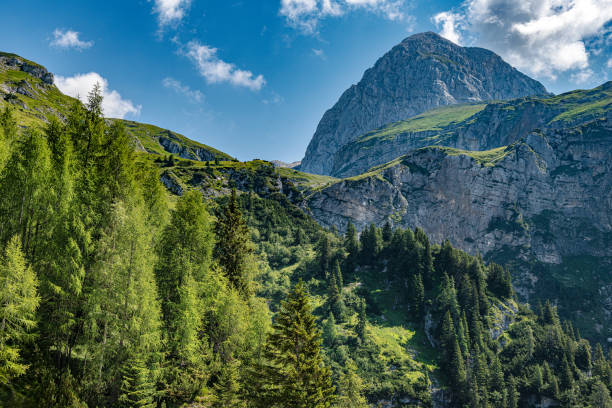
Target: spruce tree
column 360, row 329
column 227, row 390
column 600, row 396
column 351, row 246
column 137, row 387
column 417, row 300
column 513, row 395
column 295, row 374
column 323, row 256
column 233, row 246
column 330, row 334
column 351, row 389
column 18, row 302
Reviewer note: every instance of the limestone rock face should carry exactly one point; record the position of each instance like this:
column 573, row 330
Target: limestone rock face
column 10, row 61
column 546, row 198
column 423, row 72
column 497, row 124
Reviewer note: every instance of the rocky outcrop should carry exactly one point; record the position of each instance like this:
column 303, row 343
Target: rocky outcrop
column 423, row 72
column 173, row 144
column 12, row 61
column 544, row 198
column 498, row 124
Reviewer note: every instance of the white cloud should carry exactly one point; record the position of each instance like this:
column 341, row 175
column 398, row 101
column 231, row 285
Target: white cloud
column 215, row 70
column 319, row 53
column 541, row 37
column 609, row 63
column 69, row 39
column 171, row 11
column 306, row 14
column 582, row 76
column 450, row 25
column 273, row 99
column 178, row 87
column 79, row 86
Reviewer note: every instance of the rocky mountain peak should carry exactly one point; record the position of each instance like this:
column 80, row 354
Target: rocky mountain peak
column 422, row 72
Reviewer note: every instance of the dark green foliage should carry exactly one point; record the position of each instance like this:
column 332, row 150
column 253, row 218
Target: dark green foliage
column 294, row 372
column 233, row 244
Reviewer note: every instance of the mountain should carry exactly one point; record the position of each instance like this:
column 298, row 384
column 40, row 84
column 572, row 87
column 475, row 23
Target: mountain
column 471, row 127
column 115, row 296
column 542, row 203
column 29, row 88
column 424, row 71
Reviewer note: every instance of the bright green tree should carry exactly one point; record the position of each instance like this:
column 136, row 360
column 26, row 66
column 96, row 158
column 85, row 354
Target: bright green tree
column 18, row 303
column 351, row 389
column 183, row 265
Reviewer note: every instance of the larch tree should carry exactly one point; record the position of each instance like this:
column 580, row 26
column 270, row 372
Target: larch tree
column 18, row 302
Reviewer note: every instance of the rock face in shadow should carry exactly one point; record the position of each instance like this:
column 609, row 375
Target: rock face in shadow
column 543, row 200
column 422, row 72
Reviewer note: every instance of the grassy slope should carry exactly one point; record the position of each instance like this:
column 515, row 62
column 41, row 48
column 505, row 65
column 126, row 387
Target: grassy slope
column 566, row 108
column 433, row 120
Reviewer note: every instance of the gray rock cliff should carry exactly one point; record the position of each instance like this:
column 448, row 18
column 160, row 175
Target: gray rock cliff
column 546, row 198
column 424, row 71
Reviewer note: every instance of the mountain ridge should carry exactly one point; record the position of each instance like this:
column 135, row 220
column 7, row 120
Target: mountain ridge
column 424, row 71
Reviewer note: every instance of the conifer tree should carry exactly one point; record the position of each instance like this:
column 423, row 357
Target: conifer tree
column 295, row 374
column 8, row 133
column 18, row 302
column 600, row 396
column 351, row 389
column 227, row 390
column 457, row 366
column 184, row 261
column 323, row 256
column 137, row 387
column 334, row 298
column 360, row 329
column 330, row 334
column 233, row 246
column 26, row 196
column 417, row 296
column 387, row 232
column 351, row 246
column 513, row 395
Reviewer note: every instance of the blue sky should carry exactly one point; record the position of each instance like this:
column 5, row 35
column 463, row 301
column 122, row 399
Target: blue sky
column 253, row 78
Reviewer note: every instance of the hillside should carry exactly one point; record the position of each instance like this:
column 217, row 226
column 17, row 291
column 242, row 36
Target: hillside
column 542, row 204
column 29, row 89
column 423, row 72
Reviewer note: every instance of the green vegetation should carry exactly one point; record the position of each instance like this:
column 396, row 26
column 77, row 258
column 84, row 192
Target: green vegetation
column 115, row 294
column 432, row 120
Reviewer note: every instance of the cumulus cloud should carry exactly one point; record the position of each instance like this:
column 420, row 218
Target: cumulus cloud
column 306, row 14
column 178, row 87
column 582, row 76
column 69, row 39
column 449, row 22
column 170, row 11
column 215, row 70
column 610, row 63
column 541, row 37
column 79, row 86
